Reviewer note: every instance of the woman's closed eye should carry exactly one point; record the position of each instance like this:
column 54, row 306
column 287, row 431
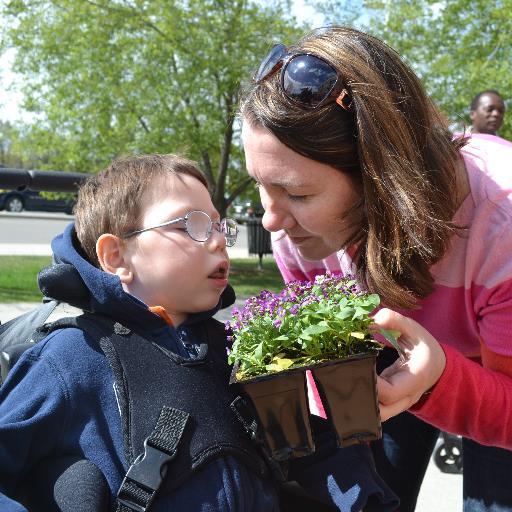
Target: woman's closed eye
column 297, row 197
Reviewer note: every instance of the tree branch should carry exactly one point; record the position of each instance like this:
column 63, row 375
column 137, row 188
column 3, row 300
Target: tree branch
column 130, row 11
column 230, row 100
column 239, row 189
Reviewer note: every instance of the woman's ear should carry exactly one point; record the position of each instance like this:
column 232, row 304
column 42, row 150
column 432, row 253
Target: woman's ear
column 111, row 252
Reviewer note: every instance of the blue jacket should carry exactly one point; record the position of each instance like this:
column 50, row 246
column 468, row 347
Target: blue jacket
column 59, row 400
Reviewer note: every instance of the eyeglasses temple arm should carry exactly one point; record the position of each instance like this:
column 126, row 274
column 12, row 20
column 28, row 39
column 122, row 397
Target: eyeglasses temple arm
column 168, row 223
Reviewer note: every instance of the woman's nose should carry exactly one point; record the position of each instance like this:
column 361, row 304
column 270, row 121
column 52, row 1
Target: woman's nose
column 276, row 217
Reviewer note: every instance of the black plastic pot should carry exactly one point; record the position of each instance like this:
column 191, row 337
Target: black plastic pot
column 348, row 389
column 281, row 402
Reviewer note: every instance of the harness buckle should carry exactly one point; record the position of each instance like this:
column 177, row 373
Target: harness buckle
column 147, row 472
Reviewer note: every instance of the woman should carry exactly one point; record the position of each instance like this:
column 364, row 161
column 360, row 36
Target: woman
column 359, row 174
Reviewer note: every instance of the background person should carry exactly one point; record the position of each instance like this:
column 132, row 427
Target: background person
column 362, row 176
column 487, row 111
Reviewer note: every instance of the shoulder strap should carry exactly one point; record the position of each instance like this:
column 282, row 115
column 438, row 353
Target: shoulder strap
column 147, row 472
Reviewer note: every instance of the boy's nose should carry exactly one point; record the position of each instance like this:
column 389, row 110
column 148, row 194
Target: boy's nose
column 217, row 240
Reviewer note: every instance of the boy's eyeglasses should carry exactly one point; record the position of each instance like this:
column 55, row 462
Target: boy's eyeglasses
column 305, row 78
column 199, row 226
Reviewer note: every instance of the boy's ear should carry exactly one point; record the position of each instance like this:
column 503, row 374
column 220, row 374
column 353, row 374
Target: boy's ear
column 111, row 253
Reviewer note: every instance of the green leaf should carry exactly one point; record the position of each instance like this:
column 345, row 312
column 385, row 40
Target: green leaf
column 345, row 313
column 360, row 312
column 279, row 364
column 258, row 352
column 316, row 329
column 392, row 336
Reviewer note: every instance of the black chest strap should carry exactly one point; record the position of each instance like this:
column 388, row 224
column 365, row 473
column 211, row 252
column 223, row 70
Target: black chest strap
column 145, row 475
column 166, row 401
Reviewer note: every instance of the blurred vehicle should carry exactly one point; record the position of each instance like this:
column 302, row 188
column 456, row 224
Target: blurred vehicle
column 19, row 200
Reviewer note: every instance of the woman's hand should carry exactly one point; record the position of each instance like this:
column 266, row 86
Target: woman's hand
column 403, row 383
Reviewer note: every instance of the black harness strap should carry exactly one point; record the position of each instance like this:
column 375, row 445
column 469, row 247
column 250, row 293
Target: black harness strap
column 155, row 417
column 146, row 474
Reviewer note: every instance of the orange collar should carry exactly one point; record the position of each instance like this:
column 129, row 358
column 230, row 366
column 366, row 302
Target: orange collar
column 160, row 311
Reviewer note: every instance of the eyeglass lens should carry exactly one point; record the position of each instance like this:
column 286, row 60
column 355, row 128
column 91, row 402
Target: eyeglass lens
column 199, row 226
column 230, row 230
column 308, row 79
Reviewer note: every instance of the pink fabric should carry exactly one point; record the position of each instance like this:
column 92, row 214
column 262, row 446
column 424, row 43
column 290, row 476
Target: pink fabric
column 472, row 300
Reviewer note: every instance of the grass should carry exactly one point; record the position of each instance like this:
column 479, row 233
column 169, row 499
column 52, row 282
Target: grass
column 247, row 279
column 18, row 277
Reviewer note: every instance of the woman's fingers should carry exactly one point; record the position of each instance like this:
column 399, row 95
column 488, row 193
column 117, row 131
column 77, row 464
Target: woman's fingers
column 390, row 407
column 389, row 319
column 403, row 383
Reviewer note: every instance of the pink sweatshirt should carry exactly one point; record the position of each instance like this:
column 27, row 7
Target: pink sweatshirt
column 470, row 310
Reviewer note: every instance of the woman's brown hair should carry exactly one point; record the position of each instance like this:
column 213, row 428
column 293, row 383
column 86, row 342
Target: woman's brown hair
column 394, row 144
column 112, row 202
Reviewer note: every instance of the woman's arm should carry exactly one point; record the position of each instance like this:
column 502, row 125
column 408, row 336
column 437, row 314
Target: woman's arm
column 463, row 397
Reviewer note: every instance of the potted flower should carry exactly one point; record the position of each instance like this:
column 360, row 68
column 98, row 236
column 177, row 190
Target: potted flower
column 322, row 326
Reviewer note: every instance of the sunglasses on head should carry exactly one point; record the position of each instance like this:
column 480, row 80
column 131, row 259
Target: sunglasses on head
column 305, row 79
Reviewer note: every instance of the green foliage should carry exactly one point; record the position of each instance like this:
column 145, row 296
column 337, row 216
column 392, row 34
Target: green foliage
column 459, row 48
column 304, row 324
column 111, row 77
column 9, row 152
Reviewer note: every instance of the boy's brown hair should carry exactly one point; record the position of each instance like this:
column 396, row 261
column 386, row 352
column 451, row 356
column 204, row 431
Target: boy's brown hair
column 111, row 202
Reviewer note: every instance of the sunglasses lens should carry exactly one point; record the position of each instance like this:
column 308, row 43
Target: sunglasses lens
column 308, row 80
column 270, row 62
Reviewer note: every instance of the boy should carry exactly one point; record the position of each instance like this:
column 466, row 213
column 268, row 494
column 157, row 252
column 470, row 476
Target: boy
column 150, row 252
